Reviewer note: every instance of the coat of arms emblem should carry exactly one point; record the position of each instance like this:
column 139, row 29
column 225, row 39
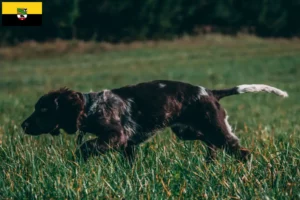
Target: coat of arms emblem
column 22, row 13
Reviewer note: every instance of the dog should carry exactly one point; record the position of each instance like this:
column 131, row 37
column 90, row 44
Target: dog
column 125, row 117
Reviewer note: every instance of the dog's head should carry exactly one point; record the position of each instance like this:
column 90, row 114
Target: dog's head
column 60, row 109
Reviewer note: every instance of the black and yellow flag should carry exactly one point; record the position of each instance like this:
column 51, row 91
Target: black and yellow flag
column 22, row 13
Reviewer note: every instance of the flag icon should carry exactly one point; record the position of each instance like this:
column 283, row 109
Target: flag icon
column 22, row 13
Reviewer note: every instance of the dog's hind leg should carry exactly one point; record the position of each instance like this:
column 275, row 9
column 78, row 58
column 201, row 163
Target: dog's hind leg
column 235, row 148
column 211, row 120
column 218, row 132
column 184, row 132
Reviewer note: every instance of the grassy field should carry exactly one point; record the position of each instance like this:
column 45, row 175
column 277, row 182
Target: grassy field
column 166, row 168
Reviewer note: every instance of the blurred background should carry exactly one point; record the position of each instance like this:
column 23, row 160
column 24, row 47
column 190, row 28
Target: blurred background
column 128, row 20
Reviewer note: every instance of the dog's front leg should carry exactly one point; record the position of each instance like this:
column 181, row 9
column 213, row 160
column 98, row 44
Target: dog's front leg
column 111, row 140
column 129, row 153
column 92, row 148
column 79, row 138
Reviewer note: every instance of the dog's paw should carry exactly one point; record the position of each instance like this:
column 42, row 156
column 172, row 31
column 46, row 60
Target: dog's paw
column 245, row 154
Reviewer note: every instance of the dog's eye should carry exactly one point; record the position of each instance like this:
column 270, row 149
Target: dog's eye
column 44, row 110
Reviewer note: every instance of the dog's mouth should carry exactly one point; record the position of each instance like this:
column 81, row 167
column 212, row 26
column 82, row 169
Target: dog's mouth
column 55, row 131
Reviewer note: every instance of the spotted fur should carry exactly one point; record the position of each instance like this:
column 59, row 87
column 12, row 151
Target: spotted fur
column 125, row 117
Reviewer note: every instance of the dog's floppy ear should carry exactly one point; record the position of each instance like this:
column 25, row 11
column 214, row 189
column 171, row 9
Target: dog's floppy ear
column 56, row 94
column 70, row 107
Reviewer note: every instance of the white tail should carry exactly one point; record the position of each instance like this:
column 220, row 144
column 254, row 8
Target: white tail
column 260, row 88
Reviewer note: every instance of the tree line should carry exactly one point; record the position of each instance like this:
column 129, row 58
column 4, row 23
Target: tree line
column 126, row 20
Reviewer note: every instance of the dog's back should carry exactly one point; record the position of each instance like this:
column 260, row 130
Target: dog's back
column 158, row 103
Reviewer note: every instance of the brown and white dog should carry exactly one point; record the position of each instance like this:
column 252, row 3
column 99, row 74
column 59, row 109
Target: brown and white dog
column 125, row 117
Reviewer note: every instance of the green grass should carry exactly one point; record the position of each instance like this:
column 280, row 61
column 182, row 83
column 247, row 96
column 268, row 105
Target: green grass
column 166, row 168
